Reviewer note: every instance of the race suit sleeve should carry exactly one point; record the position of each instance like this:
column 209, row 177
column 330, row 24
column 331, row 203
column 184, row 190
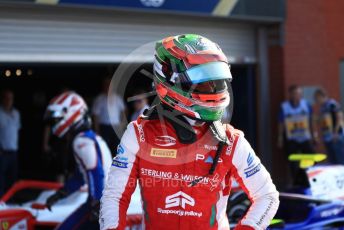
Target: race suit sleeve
column 255, row 180
column 89, row 165
column 121, row 182
column 74, row 182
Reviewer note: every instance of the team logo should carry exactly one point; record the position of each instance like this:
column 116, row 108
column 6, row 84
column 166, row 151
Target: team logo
column 208, row 159
column 165, row 141
column 179, row 199
column 152, row 3
column 164, row 153
column 249, row 159
column 120, row 149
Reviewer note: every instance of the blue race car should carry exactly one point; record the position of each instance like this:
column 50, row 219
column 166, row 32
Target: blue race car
column 315, row 202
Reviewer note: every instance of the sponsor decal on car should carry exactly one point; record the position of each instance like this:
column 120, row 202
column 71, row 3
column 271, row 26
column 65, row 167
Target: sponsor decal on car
column 152, row 3
column 326, row 181
column 331, row 212
column 163, row 153
column 165, row 141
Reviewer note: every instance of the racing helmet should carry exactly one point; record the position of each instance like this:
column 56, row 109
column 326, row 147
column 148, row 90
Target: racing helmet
column 191, row 75
column 66, row 111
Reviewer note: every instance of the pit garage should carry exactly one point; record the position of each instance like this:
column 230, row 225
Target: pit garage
column 45, row 48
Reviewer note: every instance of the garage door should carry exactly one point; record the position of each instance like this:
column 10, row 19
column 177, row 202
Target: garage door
column 37, row 33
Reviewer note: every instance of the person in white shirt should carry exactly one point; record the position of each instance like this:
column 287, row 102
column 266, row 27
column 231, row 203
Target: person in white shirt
column 9, row 137
column 105, row 122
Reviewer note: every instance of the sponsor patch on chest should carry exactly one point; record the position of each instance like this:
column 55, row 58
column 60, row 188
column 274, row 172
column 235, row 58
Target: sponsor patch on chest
column 163, row 153
column 165, row 141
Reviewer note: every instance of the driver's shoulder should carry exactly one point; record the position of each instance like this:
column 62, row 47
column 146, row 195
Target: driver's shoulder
column 232, row 132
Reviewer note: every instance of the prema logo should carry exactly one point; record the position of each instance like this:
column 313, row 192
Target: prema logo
column 179, row 199
column 165, row 141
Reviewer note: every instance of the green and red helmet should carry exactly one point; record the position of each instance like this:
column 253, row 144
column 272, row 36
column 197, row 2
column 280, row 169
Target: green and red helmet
column 190, row 74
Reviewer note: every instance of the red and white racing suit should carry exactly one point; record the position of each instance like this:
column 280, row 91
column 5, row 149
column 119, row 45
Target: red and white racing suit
column 151, row 154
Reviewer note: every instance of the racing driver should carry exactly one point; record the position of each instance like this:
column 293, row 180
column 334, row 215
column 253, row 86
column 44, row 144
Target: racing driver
column 181, row 155
column 68, row 116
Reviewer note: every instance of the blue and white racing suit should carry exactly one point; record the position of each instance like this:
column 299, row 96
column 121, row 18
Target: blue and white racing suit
column 93, row 159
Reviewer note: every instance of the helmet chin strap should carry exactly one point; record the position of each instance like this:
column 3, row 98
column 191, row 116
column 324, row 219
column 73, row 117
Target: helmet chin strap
column 219, row 133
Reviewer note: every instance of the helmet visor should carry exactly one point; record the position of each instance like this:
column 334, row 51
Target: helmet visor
column 209, row 87
column 207, row 72
column 52, row 117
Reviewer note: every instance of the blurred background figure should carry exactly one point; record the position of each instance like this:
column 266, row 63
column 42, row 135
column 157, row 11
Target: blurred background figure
column 295, row 125
column 103, row 123
column 139, row 105
column 9, row 136
column 68, row 117
column 331, row 124
column 56, row 150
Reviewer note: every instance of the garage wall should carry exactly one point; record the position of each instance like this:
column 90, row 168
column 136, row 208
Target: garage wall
column 37, row 33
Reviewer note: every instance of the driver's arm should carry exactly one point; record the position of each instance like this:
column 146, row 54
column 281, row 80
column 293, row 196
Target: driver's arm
column 255, row 180
column 91, row 168
column 121, row 182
